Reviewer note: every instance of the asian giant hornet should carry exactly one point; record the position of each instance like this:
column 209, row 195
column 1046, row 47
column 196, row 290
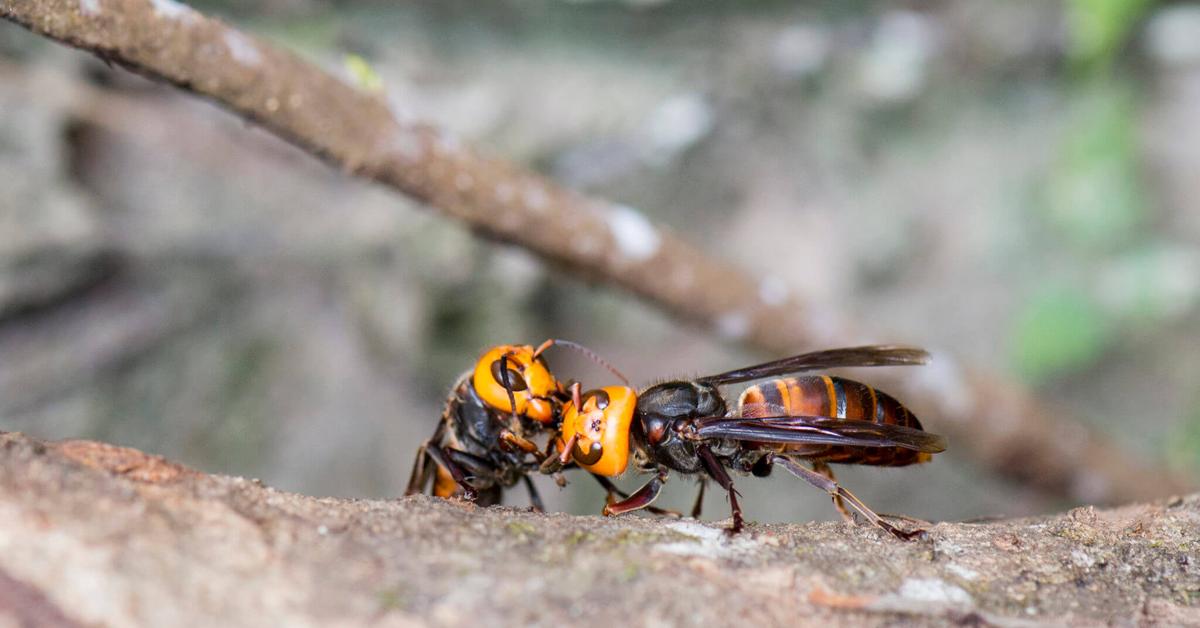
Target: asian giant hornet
column 688, row 426
column 484, row 441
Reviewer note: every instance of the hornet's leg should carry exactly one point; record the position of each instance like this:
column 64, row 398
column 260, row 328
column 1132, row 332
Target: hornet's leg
column 509, row 440
column 449, row 459
column 699, row 505
column 490, row 496
column 832, row 487
column 642, row 498
column 718, row 473
column 823, row 468
column 612, row 490
column 423, row 466
column 535, row 499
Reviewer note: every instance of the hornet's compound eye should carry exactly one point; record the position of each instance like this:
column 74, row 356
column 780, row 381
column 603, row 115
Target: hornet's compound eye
column 600, row 430
column 601, row 399
column 589, row 457
column 529, row 381
column 515, row 381
column 656, row 430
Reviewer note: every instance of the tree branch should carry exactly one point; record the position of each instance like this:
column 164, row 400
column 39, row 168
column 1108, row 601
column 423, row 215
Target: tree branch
column 92, row 534
column 1001, row 425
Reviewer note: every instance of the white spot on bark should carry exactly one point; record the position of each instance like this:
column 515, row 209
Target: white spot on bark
column 707, row 541
column 90, row 7
column 448, row 144
column 241, row 48
column 698, row 530
column 933, row 590
column 636, row 238
column 733, row 325
column 536, row 198
column 962, row 572
column 772, row 290
column 172, row 10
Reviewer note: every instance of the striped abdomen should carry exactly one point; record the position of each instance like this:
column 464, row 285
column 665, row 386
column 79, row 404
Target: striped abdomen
column 838, row 398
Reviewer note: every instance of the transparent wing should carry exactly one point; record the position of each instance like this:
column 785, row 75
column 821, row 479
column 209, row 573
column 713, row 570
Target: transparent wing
column 819, row 430
column 870, row 355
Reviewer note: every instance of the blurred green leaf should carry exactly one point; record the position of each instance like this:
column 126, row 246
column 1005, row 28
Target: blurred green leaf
column 1098, row 28
column 1095, row 196
column 364, row 76
column 1061, row 329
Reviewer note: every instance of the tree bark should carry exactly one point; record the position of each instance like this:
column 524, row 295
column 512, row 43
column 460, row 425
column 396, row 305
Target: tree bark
column 93, row 534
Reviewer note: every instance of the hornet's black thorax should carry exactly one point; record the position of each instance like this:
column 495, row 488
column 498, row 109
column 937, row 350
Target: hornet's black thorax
column 662, row 410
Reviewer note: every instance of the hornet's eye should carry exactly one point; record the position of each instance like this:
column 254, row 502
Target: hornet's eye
column 515, row 381
column 656, row 430
column 529, row 384
column 589, row 457
column 601, row 397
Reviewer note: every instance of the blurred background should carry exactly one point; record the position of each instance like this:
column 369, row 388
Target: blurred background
column 1011, row 184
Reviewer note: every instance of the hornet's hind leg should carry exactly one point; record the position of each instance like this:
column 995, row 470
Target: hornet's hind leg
column 698, row 505
column 839, row 503
column 829, row 486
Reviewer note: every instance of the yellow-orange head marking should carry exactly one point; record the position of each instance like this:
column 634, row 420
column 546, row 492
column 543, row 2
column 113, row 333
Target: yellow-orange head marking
column 530, row 380
column 600, row 430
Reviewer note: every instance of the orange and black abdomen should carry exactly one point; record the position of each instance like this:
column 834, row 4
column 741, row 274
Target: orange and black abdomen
column 837, row 398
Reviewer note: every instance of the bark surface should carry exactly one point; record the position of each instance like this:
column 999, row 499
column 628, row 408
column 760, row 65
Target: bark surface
column 93, row 534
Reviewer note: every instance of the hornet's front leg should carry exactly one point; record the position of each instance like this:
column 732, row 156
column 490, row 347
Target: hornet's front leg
column 642, row 498
column 614, row 492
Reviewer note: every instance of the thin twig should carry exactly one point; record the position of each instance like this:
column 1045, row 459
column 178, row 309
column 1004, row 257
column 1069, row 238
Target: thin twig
column 1001, row 425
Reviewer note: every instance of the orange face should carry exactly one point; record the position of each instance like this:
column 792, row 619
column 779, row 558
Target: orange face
column 601, row 430
column 530, row 381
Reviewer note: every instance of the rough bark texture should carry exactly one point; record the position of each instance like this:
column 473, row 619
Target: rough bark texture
column 1003, row 427
column 93, row 534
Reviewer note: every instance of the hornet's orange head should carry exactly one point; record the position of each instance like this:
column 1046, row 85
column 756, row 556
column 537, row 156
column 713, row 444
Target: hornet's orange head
column 599, row 433
column 530, row 381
